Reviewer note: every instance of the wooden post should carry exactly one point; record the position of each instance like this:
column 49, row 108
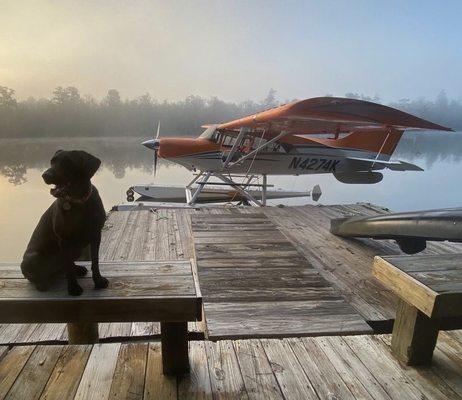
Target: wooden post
column 174, row 337
column 82, row 332
column 414, row 335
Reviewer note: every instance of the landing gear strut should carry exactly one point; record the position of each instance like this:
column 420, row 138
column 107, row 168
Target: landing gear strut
column 241, row 188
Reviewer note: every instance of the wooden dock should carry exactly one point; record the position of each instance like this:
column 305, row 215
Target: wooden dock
column 318, row 368
column 304, row 264
column 165, row 234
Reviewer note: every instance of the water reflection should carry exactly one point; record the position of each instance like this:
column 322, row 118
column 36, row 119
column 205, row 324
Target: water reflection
column 430, row 147
column 118, row 154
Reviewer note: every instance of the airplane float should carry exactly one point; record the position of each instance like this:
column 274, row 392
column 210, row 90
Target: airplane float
column 351, row 139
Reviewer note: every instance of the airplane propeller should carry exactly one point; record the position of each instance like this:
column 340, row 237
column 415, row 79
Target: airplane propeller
column 154, row 144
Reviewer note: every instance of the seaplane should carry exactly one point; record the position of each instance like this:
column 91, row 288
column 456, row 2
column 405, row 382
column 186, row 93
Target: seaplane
column 348, row 138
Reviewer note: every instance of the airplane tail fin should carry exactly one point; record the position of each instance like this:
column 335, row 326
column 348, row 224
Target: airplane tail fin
column 383, row 142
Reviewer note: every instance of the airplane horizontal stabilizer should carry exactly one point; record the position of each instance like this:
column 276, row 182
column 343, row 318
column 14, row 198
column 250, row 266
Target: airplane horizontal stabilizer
column 394, row 165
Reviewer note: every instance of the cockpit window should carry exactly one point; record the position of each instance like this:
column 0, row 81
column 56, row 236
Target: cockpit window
column 248, row 144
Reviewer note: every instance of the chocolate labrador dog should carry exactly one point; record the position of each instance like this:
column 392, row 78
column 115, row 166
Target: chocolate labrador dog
column 71, row 223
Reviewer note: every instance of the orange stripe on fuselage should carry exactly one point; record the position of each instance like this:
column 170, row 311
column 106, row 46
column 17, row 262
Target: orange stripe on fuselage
column 180, row 147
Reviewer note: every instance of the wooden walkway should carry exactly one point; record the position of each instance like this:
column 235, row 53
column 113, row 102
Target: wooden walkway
column 353, row 367
column 255, row 283
column 347, row 263
column 165, row 234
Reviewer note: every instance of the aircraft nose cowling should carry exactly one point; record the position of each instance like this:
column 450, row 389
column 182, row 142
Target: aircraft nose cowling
column 183, row 147
column 152, row 144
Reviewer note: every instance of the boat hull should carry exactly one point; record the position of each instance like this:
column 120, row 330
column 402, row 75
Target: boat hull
column 411, row 229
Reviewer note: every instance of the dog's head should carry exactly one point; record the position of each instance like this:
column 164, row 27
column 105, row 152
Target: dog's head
column 70, row 173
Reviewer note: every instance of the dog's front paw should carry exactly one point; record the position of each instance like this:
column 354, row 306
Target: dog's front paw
column 80, row 270
column 100, row 282
column 74, row 289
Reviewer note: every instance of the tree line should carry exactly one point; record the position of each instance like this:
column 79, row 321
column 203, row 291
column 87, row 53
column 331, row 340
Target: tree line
column 69, row 114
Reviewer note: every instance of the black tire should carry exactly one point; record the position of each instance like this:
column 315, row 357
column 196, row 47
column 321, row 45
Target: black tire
column 130, row 192
column 130, row 198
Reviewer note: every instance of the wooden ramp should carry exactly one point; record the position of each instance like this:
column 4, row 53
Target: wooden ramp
column 255, row 283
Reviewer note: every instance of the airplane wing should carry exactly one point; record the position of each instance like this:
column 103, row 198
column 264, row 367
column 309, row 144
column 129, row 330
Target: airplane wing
column 332, row 115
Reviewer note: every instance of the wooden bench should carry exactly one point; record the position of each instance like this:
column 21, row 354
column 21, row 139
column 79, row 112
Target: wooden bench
column 430, row 292
column 165, row 292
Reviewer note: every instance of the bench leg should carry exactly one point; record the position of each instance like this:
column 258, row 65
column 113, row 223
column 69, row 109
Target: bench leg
column 82, row 332
column 174, row 336
column 414, row 335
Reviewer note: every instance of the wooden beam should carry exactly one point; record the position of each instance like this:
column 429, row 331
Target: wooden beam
column 404, row 285
column 174, row 336
column 128, row 309
column 414, row 335
column 83, row 332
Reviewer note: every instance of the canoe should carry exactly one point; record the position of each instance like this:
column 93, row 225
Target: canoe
column 411, row 230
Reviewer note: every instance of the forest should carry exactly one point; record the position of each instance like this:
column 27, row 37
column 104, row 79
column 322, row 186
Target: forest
column 67, row 113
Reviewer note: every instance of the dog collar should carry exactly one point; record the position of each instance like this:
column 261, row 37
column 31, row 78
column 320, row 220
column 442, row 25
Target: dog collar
column 68, row 200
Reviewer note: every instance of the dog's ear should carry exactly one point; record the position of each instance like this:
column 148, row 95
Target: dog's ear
column 56, row 154
column 89, row 163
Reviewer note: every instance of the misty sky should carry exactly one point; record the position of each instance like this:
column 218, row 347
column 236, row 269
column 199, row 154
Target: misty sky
column 235, row 50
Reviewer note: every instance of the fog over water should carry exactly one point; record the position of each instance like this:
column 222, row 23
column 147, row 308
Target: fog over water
column 24, row 196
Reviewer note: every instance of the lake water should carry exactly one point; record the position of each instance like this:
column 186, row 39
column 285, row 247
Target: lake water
column 24, row 196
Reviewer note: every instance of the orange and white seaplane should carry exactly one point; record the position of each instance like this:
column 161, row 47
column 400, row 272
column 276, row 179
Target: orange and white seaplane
column 351, row 139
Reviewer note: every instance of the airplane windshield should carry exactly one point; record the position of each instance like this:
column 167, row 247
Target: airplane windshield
column 248, row 144
column 209, row 132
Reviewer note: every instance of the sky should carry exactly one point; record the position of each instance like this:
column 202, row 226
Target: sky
column 236, row 50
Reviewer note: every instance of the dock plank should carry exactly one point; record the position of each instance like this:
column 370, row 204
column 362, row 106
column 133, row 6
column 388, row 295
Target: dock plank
column 158, row 386
column 386, row 369
column 66, row 375
column 268, row 319
column 35, row 374
column 11, row 365
column 225, row 375
column 247, row 293
column 320, row 371
column 259, row 380
column 353, row 372
column 196, row 385
column 427, row 380
column 98, row 375
column 128, row 380
column 289, row 374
